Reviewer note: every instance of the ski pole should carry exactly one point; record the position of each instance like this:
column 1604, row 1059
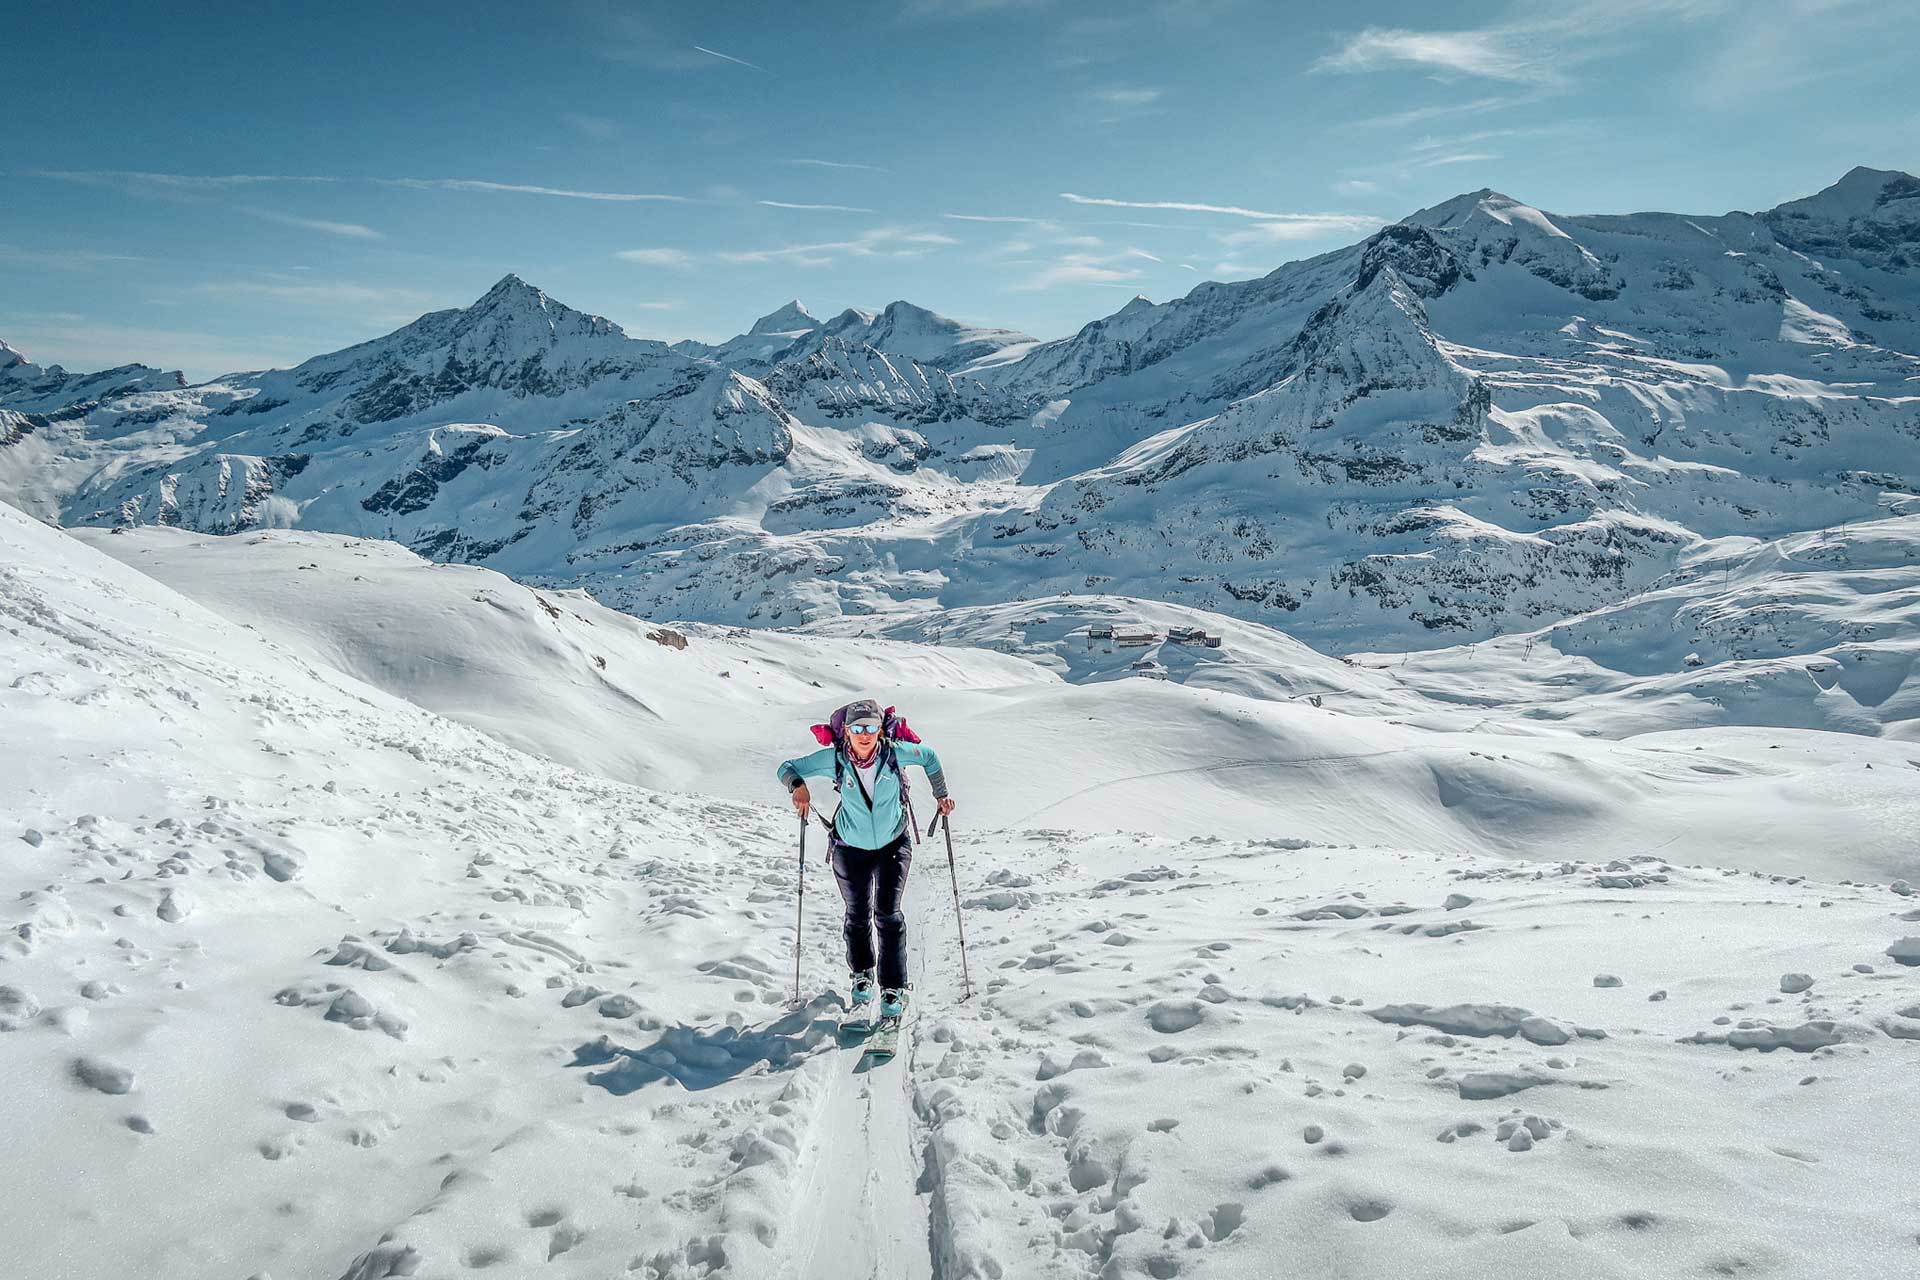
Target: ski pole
column 942, row 821
column 799, row 909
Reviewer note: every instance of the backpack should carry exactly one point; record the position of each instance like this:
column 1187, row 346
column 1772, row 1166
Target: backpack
column 893, row 728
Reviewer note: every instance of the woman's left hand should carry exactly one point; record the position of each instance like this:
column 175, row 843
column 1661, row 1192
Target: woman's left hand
column 946, row 805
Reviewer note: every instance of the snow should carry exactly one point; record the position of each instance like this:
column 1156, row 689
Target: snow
column 385, row 909
column 789, row 321
column 1801, row 323
column 394, row 994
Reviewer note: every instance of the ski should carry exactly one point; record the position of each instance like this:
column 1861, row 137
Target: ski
column 856, row 1024
column 885, row 1040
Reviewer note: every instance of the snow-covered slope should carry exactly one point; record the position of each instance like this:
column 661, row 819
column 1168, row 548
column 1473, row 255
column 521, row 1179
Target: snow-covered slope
column 684, row 707
column 303, row 980
column 1480, row 419
column 1818, row 629
column 900, row 330
column 1260, row 727
column 1495, row 416
column 293, row 969
column 29, row 388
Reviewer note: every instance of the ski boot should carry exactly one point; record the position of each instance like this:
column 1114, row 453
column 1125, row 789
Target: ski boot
column 858, row 1017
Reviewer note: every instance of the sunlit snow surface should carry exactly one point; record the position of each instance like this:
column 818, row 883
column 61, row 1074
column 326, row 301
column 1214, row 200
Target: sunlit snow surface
column 309, row 975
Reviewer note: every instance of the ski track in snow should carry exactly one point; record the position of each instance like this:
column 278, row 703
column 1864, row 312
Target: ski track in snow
column 858, row 1211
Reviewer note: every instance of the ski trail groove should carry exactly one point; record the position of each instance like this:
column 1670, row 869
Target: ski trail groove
column 857, row 1213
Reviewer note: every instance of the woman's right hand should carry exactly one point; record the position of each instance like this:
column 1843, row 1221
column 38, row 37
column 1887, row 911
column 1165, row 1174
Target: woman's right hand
column 802, row 801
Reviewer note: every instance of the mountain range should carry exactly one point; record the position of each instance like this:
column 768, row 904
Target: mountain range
column 1479, row 419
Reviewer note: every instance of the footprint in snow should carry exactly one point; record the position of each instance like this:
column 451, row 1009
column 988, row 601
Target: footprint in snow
column 1370, row 1210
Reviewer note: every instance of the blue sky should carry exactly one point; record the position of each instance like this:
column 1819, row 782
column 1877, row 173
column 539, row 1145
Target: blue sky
column 246, row 185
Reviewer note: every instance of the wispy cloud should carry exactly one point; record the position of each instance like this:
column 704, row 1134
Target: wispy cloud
column 1538, row 46
column 1773, row 51
column 822, row 208
column 656, row 257
column 1007, row 250
column 875, row 242
column 1461, row 157
column 991, row 217
column 1076, row 269
column 1442, row 150
column 1491, row 53
column 1273, row 226
column 1325, row 221
column 347, row 230
column 889, row 242
column 1123, row 96
column 715, row 53
column 833, row 164
column 1443, row 110
column 145, row 182
column 519, row 188
column 139, row 178
column 600, row 127
column 63, row 259
column 1085, row 267
column 1121, row 104
column 963, row 8
column 334, row 294
column 1281, row 233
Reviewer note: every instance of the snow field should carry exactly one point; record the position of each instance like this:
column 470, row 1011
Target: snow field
column 1268, row 1058
column 302, row 980
column 1448, row 751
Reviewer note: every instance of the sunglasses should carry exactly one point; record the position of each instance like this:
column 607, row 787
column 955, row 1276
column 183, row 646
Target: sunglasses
column 864, row 730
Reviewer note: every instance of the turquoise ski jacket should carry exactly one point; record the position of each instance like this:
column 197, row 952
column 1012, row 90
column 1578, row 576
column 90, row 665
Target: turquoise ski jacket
column 861, row 825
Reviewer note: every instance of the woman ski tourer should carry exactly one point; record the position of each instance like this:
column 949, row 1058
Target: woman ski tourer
column 871, row 845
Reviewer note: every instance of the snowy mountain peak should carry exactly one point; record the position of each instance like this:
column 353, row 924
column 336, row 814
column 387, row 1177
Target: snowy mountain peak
column 1481, row 207
column 901, row 311
column 514, row 312
column 851, row 318
column 9, row 356
column 513, row 294
column 792, row 318
column 1870, row 215
column 1861, row 193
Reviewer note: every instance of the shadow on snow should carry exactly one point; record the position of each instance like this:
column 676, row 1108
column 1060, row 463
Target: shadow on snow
column 701, row 1059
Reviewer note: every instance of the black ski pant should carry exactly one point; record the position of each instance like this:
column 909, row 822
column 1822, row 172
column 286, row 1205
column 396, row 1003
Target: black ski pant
column 873, row 883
